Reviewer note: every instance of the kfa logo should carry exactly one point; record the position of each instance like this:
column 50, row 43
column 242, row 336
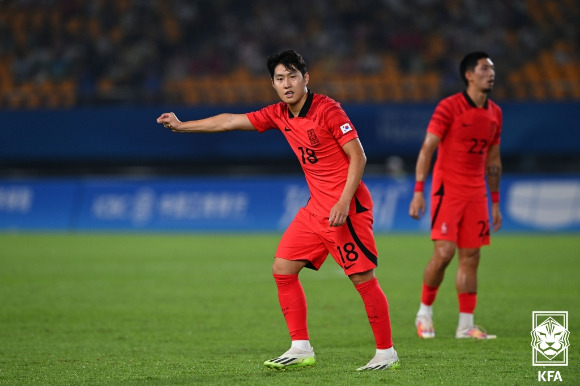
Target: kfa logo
column 548, row 376
column 550, row 338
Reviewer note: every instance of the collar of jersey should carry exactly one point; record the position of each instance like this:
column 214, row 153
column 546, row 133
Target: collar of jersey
column 470, row 101
column 304, row 110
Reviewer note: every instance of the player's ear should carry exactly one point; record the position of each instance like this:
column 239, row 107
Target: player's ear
column 306, row 78
column 469, row 75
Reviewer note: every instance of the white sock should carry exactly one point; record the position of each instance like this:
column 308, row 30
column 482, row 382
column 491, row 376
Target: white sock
column 302, row 344
column 425, row 310
column 388, row 352
column 465, row 321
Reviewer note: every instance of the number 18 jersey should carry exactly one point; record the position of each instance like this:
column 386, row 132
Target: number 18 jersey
column 316, row 136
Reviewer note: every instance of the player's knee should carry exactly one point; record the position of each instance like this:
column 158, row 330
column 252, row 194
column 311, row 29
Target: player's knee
column 469, row 256
column 287, row 267
column 363, row 277
column 444, row 252
column 278, row 268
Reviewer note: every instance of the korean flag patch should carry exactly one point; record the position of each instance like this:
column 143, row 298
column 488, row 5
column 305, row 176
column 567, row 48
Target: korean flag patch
column 345, row 128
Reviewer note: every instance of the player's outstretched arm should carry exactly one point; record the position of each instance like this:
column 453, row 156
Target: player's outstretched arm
column 417, row 206
column 215, row 124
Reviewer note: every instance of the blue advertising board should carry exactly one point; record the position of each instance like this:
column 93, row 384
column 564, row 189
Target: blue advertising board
column 43, row 204
column 121, row 134
column 251, row 204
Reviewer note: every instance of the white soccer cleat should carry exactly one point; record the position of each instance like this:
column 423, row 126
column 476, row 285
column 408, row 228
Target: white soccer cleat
column 292, row 358
column 424, row 325
column 474, row 332
column 382, row 362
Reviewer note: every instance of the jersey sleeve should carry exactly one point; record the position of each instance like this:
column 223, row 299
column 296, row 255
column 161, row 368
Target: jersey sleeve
column 263, row 119
column 340, row 125
column 441, row 120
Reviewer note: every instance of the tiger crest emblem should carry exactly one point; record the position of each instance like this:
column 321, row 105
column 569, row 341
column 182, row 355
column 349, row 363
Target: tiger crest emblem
column 550, row 338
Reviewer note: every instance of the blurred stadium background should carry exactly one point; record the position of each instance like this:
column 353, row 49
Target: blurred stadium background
column 74, row 53
column 82, row 82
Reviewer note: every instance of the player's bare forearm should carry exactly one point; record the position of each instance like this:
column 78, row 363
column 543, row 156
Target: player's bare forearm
column 430, row 143
column 357, row 163
column 493, row 168
column 355, row 172
column 215, row 124
column 417, row 206
column 425, row 156
column 493, row 174
column 356, row 168
column 423, row 165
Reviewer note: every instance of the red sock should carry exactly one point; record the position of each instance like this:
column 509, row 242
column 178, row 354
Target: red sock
column 467, row 302
column 428, row 294
column 377, row 309
column 293, row 304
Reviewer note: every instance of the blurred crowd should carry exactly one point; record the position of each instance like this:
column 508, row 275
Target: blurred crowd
column 69, row 53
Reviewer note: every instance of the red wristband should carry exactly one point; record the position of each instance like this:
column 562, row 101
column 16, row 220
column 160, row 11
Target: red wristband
column 495, row 197
column 419, row 186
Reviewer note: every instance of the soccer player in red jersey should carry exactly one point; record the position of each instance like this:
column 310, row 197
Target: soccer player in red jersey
column 338, row 217
column 465, row 129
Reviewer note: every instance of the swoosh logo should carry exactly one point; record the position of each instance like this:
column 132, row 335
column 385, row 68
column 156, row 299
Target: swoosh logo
column 348, row 266
column 287, row 129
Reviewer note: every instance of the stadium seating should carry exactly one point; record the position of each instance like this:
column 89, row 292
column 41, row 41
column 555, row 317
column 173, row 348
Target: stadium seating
column 103, row 52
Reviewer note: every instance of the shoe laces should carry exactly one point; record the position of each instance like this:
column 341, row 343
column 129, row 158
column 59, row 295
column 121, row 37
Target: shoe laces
column 294, row 351
column 425, row 323
column 476, row 332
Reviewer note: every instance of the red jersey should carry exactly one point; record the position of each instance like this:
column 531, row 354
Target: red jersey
column 466, row 133
column 316, row 136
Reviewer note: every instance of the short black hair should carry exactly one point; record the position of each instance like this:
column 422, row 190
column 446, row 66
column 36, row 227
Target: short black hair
column 469, row 63
column 291, row 59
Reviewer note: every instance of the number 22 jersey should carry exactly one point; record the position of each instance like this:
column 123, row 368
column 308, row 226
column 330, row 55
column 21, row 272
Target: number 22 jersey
column 466, row 133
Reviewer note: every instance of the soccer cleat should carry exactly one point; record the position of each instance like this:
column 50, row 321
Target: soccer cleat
column 474, row 332
column 382, row 362
column 424, row 325
column 292, row 358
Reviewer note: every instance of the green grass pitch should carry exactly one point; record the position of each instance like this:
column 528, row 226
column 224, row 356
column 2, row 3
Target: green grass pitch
column 165, row 309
